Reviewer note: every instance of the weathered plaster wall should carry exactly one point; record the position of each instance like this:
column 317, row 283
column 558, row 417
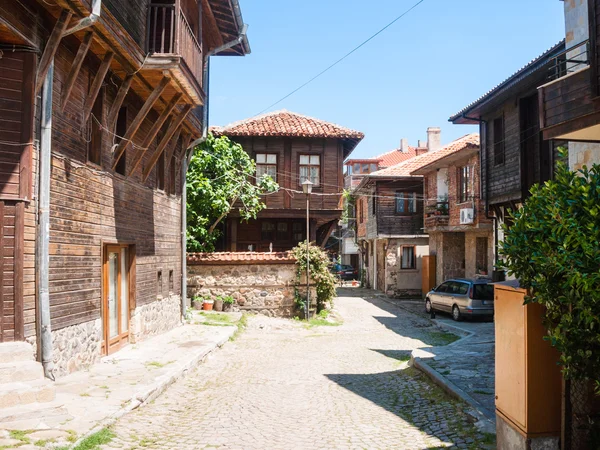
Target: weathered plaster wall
column 583, row 154
column 404, row 282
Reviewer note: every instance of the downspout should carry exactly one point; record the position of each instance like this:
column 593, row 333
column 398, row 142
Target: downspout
column 187, row 158
column 43, row 229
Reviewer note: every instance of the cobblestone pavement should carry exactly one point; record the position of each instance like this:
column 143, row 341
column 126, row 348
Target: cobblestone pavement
column 283, row 385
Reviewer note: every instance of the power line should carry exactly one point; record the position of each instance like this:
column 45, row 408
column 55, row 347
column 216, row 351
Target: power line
column 344, row 57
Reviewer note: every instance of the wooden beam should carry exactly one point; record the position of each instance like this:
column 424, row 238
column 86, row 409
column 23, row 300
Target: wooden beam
column 213, row 28
column 97, row 84
column 76, row 67
column 116, row 106
column 18, row 269
column 171, row 149
column 185, row 142
column 135, row 162
column 52, row 47
column 139, row 118
column 165, row 140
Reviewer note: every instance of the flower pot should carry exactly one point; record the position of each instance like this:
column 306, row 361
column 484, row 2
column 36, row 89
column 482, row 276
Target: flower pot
column 218, row 305
column 227, row 306
column 197, row 306
column 207, row 306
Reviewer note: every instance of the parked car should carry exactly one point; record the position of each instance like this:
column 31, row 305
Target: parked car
column 462, row 298
column 345, row 272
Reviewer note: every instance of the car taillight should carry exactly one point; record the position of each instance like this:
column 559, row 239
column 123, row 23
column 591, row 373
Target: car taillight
column 471, row 291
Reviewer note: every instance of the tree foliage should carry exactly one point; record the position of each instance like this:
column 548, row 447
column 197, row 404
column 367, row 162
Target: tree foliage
column 221, row 173
column 324, row 280
column 553, row 248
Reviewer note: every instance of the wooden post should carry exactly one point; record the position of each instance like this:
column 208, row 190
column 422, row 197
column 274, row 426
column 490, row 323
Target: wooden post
column 141, row 115
column 165, row 140
column 52, row 47
column 97, row 84
column 18, row 275
column 76, row 67
column 153, row 132
column 116, row 106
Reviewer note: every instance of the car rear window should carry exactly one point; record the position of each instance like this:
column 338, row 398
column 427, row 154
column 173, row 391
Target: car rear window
column 483, row 292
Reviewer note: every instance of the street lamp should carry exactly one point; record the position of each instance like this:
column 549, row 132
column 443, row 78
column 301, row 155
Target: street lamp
column 307, row 186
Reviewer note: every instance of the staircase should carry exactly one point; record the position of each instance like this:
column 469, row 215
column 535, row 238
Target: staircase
column 22, row 379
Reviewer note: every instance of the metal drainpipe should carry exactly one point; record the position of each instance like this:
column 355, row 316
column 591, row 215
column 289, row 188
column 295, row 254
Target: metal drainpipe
column 87, row 21
column 187, row 157
column 43, row 231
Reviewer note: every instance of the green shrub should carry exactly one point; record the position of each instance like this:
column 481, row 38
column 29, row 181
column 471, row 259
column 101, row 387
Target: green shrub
column 553, row 249
column 322, row 277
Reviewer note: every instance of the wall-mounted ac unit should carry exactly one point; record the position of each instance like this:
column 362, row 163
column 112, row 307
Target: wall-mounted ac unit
column 467, row 215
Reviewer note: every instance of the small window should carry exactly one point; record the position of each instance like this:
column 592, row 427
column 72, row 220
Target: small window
column 121, row 129
column 373, row 168
column 310, row 169
column 499, row 141
column 267, row 231
column 95, row 126
column 159, row 285
column 406, row 202
column 365, row 168
column 160, row 172
column 400, row 202
column 407, row 258
column 171, row 281
column 356, row 168
column 282, row 231
column 298, row 230
column 374, row 203
column 466, row 191
column 266, row 164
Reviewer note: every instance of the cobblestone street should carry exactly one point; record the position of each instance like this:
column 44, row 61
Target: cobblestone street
column 284, row 385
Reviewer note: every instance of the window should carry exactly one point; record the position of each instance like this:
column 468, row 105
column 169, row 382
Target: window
column 374, row 204
column 172, row 175
column 465, row 190
column 160, row 172
column 298, row 231
column 121, row 129
column 359, row 210
column 170, row 281
column 406, row 202
column 267, row 231
column 365, row 168
column 266, row 164
column 95, row 138
column 310, row 169
column 356, row 168
column 499, row 141
column 373, row 168
column 159, row 284
column 282, row 231
column 407, row 258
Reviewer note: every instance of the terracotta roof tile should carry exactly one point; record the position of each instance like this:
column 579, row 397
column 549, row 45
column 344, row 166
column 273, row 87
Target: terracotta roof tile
column 289, row 124
column 239, row 258
column 406, row 168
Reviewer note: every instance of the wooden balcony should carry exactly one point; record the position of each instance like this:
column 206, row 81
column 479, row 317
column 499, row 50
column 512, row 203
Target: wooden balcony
column 437, row 215
column 173, row 45
column 400, row 225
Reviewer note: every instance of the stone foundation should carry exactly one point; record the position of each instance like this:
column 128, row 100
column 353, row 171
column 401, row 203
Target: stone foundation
column 155, row 318
column 508, row 438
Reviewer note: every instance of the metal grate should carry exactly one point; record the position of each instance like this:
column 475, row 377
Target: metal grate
column 569, row 61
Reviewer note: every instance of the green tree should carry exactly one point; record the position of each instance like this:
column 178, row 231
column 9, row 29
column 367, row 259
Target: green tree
column 220, row 175
column 553, row 248
column 324, row 280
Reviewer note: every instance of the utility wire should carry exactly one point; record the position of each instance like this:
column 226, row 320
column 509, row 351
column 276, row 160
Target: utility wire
column 344, row 57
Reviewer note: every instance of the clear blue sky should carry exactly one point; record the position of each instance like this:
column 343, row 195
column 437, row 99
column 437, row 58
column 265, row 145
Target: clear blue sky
column 429, row 65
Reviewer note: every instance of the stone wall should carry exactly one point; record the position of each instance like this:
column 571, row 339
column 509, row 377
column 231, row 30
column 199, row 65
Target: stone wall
column 400, row 282
column 155, row 318
column 264, row 287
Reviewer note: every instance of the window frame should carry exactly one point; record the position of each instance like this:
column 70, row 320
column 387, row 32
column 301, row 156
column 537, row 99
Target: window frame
column 407, row 198
column 267, row 154
column 465, row 180
column 161, row 183
column 320, row 155
column 95, row 129
column 413, row 262
column 498, row 131
column 120, row 130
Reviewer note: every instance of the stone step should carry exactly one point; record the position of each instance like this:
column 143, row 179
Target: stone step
column 19, row 371
column 32, row 415
column 15, row 351
column 23, row 393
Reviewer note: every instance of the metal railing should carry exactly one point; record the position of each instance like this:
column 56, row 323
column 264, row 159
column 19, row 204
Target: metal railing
column 169, row 33
column 568, row 61
column 438, row 209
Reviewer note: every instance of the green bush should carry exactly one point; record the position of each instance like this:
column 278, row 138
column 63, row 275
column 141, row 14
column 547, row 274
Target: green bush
column 324, row 280
column 553, row 249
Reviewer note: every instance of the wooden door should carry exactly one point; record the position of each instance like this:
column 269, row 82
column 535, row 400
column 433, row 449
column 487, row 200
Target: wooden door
column 116, row 297
column 17, row 71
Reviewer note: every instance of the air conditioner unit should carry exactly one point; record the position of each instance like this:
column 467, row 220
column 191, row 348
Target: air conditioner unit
column 467, row 215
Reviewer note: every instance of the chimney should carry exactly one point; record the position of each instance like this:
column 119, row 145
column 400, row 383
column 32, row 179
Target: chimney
column 422, row 144
column 433, row 138
column 404, row 145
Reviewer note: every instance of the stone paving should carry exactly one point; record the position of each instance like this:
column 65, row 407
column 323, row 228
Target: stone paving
column 284, row 385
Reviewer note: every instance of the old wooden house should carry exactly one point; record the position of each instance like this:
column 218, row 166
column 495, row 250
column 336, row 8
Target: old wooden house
column 99, row 102
column 460, row 233
column 514, row 156
column 291, row 148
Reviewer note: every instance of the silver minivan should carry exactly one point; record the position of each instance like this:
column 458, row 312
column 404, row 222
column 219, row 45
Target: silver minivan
column 462, row 298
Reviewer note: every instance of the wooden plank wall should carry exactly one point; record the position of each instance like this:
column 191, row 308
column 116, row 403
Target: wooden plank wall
column 388, row 221
column 132, row 15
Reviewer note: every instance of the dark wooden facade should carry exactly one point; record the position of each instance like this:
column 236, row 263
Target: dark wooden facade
column 121, row 124
column 286, row 210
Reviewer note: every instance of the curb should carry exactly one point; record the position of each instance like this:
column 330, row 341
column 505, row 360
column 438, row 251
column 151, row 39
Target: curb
column 453, row 390
column 161, row 384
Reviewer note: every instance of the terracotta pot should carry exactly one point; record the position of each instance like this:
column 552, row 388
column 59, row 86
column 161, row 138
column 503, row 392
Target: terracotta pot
column 227, row 306
column 207, row 306
column 218, row 305
column 197, row 306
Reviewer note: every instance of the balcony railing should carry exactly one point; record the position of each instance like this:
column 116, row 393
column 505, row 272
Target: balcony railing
column 437, row 214
column 169, row 33
column 569, row 61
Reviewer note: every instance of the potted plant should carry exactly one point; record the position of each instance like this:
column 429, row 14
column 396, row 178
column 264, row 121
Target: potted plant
column 197, row 302
column 218, row 306
column 228, row 302
column 207, row 305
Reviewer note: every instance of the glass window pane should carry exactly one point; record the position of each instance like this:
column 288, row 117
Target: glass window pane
column 272, row 159
column 365, row 168
column 304, row 159
column 282, row 226
column 315, row 159
column 373, row 167
column 261, row 158
column 400, row 203
column 303, row 173
column 124, row 290
column 314, row 175
column 356, row 168
column 113, row 311
column 411, row 203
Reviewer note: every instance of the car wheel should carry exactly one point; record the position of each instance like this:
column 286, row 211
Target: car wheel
column 456, row 315
column 427, row 306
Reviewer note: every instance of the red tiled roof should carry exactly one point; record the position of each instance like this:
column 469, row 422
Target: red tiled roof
column 408, row 167
column 239, row 258
column 286, row 123
column 397, row 156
